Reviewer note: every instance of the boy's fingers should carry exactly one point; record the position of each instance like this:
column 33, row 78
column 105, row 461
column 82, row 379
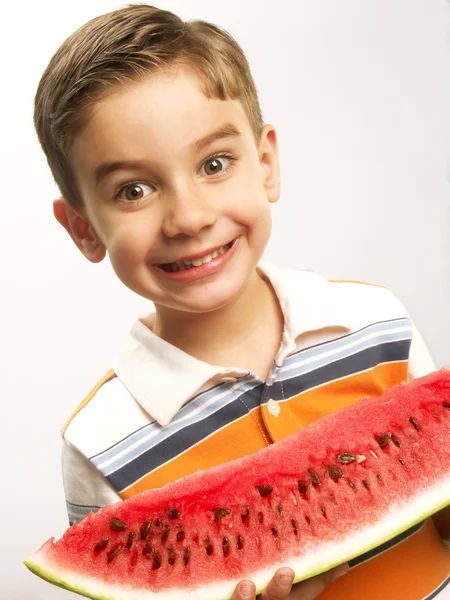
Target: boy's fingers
column 279, row 587
column 245, row 590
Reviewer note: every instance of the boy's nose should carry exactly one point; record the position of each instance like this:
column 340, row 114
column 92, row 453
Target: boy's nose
column 187, row 213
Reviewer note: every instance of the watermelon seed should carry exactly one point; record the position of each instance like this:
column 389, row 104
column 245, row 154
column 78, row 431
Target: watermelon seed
column 209, row 547
column 245, row 512
column 172, row 512
column 147, row 548
column 414, row 423
column 186, row 555
column 220, row 513
column 446, row 404
column 117, row 525
column 334, row 472
column 166, row 532
column 264, row 490
column 308, row 520
column 159, row 523
column 294, row 499
column 361, row 458
column 144, row 529
column 102, row 543
column 171, row 555
column 314, row 477
column 240, row 542
column 114, row 552
column 373, row 454
column 295, row 526
column 156, row 559
column 346, row 457
column 366, row 484
column 260, row 517
column 303, row 488
column 322, row 508
column 384, row 440
column 225, row 546
column 275, row 532
column 280, row 509
column 379, row 477
column 352, row 485
column 180, row 533
column 130, row 540
column 401, row 461
column 396, row 441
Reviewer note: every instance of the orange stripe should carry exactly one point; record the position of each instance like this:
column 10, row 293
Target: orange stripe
column 330, row 397
column 360, row 282
column 238, row 439
column 411, row 570
column 88, row 398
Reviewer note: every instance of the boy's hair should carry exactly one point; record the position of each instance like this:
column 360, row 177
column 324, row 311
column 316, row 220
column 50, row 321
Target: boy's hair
column 124, row 46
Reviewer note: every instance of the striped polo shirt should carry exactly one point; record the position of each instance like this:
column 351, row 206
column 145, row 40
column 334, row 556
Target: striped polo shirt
column 160, row 414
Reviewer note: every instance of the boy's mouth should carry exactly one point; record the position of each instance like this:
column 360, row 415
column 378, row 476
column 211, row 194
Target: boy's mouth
column 183, row 265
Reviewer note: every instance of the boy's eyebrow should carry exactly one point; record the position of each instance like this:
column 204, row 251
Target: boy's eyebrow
column 225, row 131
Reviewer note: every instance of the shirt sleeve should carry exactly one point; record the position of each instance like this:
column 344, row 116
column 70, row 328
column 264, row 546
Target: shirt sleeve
column 420, row 360
column 86, row 489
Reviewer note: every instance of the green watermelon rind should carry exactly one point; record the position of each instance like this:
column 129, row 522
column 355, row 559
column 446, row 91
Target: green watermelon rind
column 328, row 555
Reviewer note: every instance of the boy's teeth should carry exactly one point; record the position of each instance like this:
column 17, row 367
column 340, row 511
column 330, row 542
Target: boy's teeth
column 182, row 265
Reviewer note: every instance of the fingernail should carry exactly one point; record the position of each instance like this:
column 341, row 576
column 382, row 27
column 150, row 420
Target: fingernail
column 285, row 580
column 246, row 591
column 340, row 571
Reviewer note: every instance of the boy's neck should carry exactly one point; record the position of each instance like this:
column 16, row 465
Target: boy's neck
column 211, row 336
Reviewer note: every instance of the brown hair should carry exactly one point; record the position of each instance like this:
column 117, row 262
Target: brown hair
column 123, row 46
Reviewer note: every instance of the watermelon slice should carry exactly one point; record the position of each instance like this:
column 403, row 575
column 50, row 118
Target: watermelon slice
column 341, row 486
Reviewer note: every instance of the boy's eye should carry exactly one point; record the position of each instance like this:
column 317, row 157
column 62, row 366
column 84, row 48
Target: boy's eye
column 215, row 165
column 134, row 191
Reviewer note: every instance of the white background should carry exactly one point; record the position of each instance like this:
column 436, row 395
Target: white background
column 360, row 94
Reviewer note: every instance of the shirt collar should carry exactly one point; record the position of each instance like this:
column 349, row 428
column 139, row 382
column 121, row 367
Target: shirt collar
column 162, row 378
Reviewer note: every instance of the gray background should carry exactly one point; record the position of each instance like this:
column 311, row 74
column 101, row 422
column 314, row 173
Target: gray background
column 360, row 94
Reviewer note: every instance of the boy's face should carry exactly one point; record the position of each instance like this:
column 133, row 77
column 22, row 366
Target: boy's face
column 167, row 174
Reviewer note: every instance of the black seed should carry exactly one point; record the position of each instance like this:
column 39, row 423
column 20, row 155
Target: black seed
column 245, row 512
column 314, row 477
column 365, row 484
column 186, row 556
column 274, row 532
column 102, row 543
column 384, row 440
column 130, row 540
column 209, row 547
column 264, row 490
column 308, row 520
column 180, row 533
column 171, row 553
column 260, row 517
column 114, row 552
column 334, row 472
column 396, row 441
column 172, row 512
column 346, row 457
column 401, row 461
column 446, row 404
column 220, row 513
column 147, row 548
column 240, row 542
column 156, row 559
column 159, row 523
column 322, row 508
column 414, row 423
column 144, row 529
column 379, row 477
column 280, row 509
column 117, row 525
column 303, row 488
column 295, row 526
column 166, row 532
column 225, row 546
column 352, row 485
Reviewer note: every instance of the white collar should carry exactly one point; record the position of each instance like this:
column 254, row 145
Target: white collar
column 162, row 378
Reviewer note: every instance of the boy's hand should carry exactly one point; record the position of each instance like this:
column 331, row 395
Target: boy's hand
column 280, row 587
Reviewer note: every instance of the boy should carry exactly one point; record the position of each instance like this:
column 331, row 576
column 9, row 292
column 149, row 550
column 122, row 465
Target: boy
column 154, row 135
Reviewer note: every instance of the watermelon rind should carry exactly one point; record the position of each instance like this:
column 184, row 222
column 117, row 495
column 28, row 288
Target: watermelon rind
column 400, row 518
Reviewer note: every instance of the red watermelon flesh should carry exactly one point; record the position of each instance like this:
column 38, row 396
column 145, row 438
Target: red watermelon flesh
column 320, row 497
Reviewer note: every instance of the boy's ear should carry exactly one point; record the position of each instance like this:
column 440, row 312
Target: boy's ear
column 80, row 230
column 268, row 158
